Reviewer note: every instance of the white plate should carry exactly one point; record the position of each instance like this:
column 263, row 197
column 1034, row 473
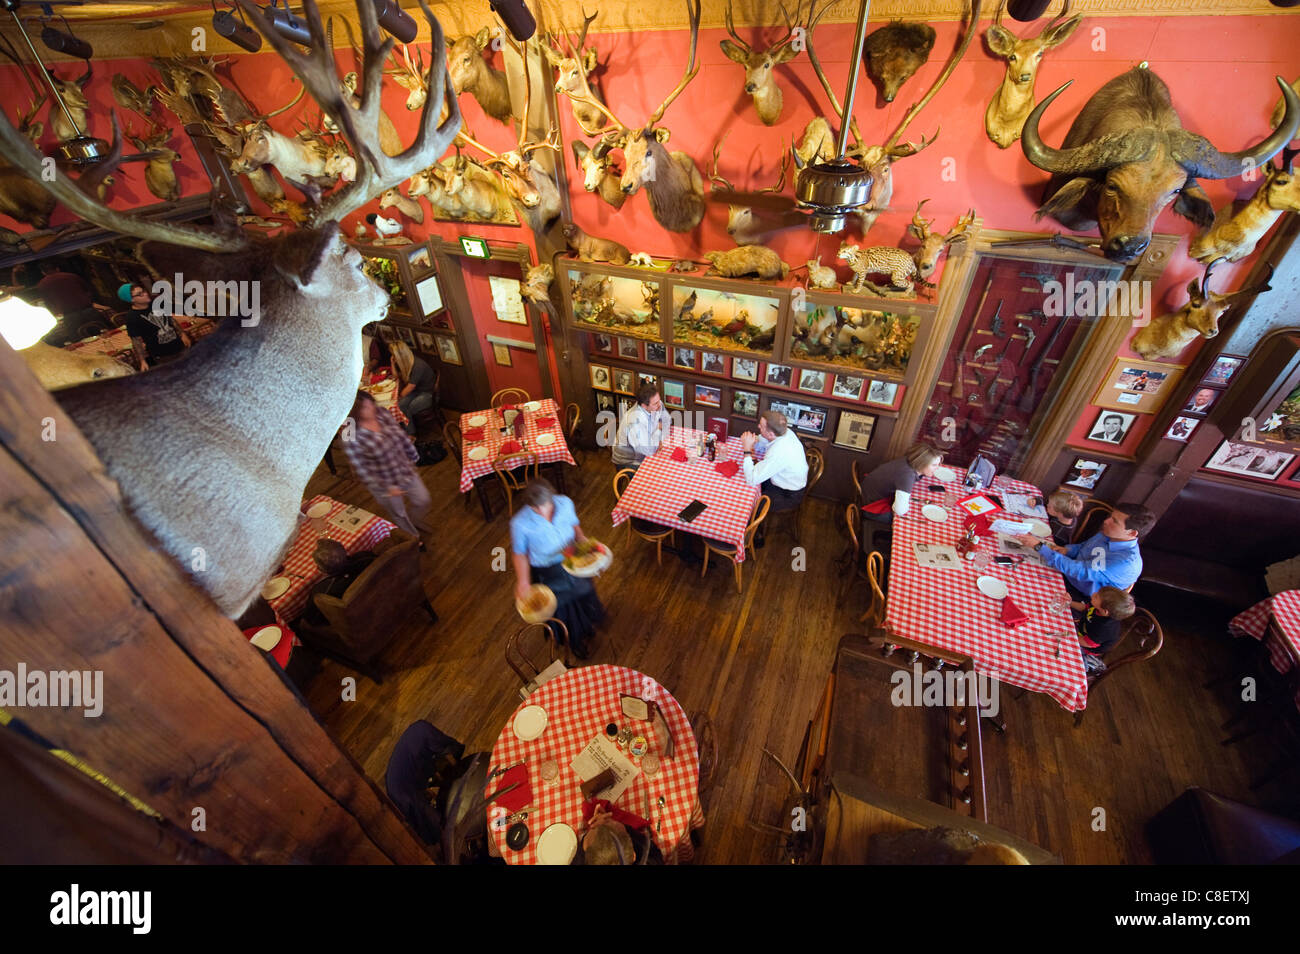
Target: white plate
column 545, row 440
column 532, row 406
column 934, row 512
column 477, row 453
column 530, row 723
column 318, row 509
column 1039, row 529
column 557, row 846
column 944, row 474
column 478, row 420
column 992, row 587
column 267, row 638
column 275, row 588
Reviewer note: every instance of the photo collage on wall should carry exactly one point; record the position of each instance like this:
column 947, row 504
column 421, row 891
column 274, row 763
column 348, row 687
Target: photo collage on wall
column 1201, row 399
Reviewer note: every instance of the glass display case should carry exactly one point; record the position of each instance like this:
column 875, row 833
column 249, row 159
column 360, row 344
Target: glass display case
column 864, row 339
column 726, row 320
column 611, row 303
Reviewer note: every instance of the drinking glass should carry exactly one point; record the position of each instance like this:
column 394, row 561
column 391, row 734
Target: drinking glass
column 1059, row 605
column 981, row 560
column 549, row 769
column 650, row 764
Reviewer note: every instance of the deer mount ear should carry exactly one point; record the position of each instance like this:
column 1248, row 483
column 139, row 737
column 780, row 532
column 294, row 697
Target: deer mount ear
column 1001, row 41
column 1194, row 292
column 1061, row 32
column 662, row 134
column 166, row 261
column 296, row 256
column 481, row 38
column 1192, row 203
column 785, row 54
column 1069, row 196
column 733, row 52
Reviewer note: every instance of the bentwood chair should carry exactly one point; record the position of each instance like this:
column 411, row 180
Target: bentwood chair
column 1142, row 635
column 514, row 472
column 1091, row 518
column 816, row 467
column 733, row 553
column 452, row 437
column 875, row 612
column 645, row 529
column 509, row 396
column 852, row 556
column 572, row 419
column 857, row 471
column 547, row 658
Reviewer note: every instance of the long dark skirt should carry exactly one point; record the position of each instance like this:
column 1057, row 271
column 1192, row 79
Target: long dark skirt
column 578, row 607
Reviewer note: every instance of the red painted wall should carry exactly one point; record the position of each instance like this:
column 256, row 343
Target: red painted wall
column 524, row 370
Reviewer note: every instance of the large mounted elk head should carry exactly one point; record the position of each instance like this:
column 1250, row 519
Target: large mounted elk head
column 896, row 51
column 1127, row 156
column 470, row 73
column 760, row 64
column 1169, row 334
column 224, row 507
column 1015, row 97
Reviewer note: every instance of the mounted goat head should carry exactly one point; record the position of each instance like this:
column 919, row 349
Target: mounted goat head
column 896, row 51
column 470, row 73
column 1169, row 334
column 1127, row 156
column 233, row 502
column 759, row 65
column 573, row 66
column 1234, row 236
column 1015, row 97
column 598, row 172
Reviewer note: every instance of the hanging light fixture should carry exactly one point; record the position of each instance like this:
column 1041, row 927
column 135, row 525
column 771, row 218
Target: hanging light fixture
column 395, row 21
column 1027, row 10
column 286, row 24
column 235, row 30
column 66, row 43
column 21, row 324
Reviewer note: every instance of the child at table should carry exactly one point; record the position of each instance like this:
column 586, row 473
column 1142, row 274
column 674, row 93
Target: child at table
column 1063, row 509
column 1099, row 624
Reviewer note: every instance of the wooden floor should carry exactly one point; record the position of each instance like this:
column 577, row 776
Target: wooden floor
column 758, row 662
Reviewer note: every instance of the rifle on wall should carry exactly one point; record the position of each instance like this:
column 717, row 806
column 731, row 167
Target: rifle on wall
column 958, row 389
column 1027, row 400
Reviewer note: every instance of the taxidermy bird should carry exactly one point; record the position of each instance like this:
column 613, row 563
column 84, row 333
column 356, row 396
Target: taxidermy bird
column 389, row 229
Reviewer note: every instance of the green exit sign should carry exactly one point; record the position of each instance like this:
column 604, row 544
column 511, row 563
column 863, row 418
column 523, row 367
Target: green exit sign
column 474, row 247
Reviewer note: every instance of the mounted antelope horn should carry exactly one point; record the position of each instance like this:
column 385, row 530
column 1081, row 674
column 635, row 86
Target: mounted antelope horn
column 1261, row 286
column 1203, row 160
column 1131, row 146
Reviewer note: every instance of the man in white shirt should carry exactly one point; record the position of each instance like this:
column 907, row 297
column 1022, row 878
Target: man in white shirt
column 642, row 429
column 782, row 474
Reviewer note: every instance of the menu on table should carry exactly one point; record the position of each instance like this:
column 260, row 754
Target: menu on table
column 1024, row 505
column 936, row 556
column 599, row 755
column 1011, row 547
column 350, row 518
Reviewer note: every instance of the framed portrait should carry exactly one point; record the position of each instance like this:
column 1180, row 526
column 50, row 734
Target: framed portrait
column 448, row 350
column 1249, row 460
column 744, row 403
column 813, row 381
column 425, row 342
column 602, row 343
column 599, row 376
column 406, row 334
column 642, row 379
column 629, row 348
column 1111, row 427
column 655, row 353
column 624, row 382
column 854, row 430
column 684, row 358
column 744, row 369
column 429, row 292
column 883, row 394
column 1181, row 429
column 708, row 396
column 674, row 394
column 847, row 386
column 1140, row 387
column 388, row 333
column 501, row 355
column 802, row 417
column 1201, row 400
column 778, row 375
column 604, row 401
column 711, row 363
column 419, row 259
column 1084, row 473
column 1221, row 372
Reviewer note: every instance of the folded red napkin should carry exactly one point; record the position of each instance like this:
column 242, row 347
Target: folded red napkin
column 511, row 447
column 1012, row 615
column 520, row 797
column 879, row 506
column 630, row 819
column 727, row 468
column 472, row 433
column 545, row 422
column 980, row 523
column 677, row 454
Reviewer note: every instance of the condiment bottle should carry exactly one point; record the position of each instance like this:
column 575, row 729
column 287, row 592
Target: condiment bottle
column 967, row 545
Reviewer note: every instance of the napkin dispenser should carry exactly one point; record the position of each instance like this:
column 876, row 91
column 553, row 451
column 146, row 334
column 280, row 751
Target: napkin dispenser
column 598, row 783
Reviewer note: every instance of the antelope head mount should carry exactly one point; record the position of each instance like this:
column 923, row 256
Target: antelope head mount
column 72, row 93
column 1170, row 333
column 745, row 224
column 760, row 66
column 1014, row 100
column 471, row 73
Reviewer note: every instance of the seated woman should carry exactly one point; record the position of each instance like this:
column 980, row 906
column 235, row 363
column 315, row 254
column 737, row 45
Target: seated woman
column 887, row 490
column 539, row 533
column 415, row 383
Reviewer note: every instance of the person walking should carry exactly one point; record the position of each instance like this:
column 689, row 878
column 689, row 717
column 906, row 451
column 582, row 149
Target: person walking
column 383, row 458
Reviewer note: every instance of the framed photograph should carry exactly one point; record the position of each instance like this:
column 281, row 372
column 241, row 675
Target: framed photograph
column 847, row 386
column 778, row 375
column 599, row 376
column 854, row 430
column 629, row 348
column 744, row 369
column 1137, row 386
column 708, row 396
column 604, row 401
column 642, row 379
column 802, row 417
column 419, row 259
column 501, row 355
column 1221, row 372
column 1201, row 401
column 883, row 394
column 407, row 335
column 655, row 353
column 1084, row 473
column 814, row 381
column 425, row 341
column 602, row 343
column 1249, row 460
column 448, row 350
column 684, row 358
column 674, row 394
column 711, row 363
column 1181, row 429
column 1111, row 427
column 623, row 382
column 744, row 403
column 429, row 293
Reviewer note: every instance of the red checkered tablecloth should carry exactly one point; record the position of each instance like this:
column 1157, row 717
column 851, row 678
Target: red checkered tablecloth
column 944, row 608
column 661, row 489
column 557, row 453
column 384, row 390
column 578, row 705
column 1283, row 640
column 301, row 568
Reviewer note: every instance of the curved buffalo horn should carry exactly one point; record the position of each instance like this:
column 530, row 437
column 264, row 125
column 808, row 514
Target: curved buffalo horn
column 1102, row 153
column 1201, row 159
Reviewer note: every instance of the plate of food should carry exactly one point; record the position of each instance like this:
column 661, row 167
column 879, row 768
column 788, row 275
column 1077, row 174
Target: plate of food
column 275, row 588
column 319, row 509
column 1039, row 529
column 934, row 512
column 478, row 420
column 992, row 587
column 944, row 474
column 477, row 453
column 532, row 406
column 538, row 605
column 587, row 558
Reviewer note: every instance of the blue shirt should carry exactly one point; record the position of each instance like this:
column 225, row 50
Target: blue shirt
column 1096, row 562
column 540, row 539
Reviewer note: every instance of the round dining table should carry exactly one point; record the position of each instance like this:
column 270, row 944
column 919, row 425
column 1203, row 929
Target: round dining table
column 578, row 706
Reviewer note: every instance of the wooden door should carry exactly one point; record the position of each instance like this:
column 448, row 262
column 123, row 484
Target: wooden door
column 526, row 367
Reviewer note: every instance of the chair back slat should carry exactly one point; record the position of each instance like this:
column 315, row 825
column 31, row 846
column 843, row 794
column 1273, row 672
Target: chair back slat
column 1091, row 518
column 760, row 514
column 816, row 466
column 509, row 396
column 452, row 436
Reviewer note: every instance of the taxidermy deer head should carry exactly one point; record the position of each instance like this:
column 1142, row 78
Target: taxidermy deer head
column 470, row 73
column 1014, row 99
column 1169, row 334
column 760, row 64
